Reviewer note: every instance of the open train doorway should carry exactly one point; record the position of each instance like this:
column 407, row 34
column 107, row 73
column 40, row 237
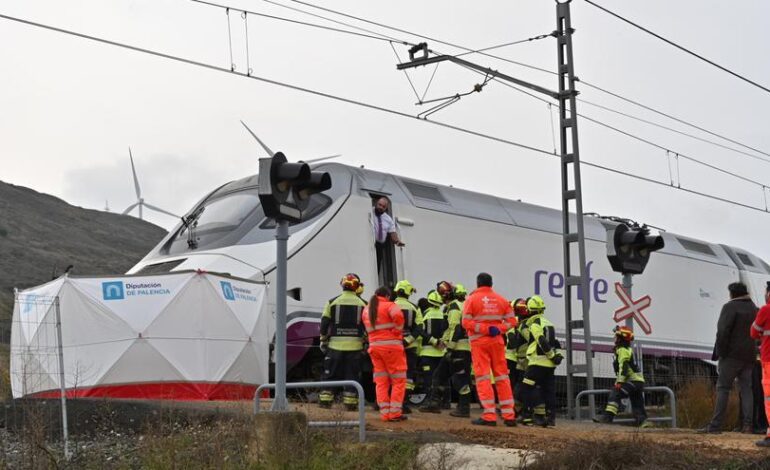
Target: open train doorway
column 386, row 240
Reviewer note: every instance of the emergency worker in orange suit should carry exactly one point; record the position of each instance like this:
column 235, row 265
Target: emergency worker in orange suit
column 486, row 318
column 760, row 329
column 384, row 323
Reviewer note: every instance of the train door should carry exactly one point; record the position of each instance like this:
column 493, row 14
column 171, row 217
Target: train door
column 389, row 261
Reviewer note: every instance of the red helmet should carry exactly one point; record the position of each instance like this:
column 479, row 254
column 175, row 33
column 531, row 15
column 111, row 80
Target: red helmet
column 624, row 333
column 520, row 307
column 350, row 282
column 445, row 289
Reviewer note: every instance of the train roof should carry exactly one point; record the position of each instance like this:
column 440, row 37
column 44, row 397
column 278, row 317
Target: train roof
column 457, row 201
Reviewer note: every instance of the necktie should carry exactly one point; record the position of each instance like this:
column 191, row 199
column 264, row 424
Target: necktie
column 380, row 236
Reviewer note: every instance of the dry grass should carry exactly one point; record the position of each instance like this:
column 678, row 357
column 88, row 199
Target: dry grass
column 637, row 452
column 5, row 372
column 695, row 405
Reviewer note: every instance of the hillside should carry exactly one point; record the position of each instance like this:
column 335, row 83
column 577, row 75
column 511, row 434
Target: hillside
column 39, row 231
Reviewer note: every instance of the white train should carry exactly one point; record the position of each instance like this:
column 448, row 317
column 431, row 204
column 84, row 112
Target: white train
column 452, row 234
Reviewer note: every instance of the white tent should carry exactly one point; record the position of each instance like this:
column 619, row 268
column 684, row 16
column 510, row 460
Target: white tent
column 185, row 336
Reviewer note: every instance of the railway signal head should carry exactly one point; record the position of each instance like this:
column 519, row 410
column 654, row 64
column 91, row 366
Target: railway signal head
column 285, row 188
column 629, row 248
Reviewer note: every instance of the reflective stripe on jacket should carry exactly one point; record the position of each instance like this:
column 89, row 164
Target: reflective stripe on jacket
column 483, row 309
column 388, row 326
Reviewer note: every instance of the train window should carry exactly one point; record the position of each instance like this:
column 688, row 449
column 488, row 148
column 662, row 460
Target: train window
column 745, row 259
column 227, row 212
column 424, row 191
column 696, row 247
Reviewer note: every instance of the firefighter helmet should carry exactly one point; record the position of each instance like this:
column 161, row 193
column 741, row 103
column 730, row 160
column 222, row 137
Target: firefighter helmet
column 520, row 307
column 434, row 299
column 460, row 291
column 351, row 282
column 535, row 305
column 406, row 287
column 445, row 289
column 624, row 333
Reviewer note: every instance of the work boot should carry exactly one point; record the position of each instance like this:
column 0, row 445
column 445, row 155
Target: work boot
column 325, row 404
column 550, row 420
column 511, row 423
column 646, row 424
column 604, row 418
column 708, row 430
column 540, row 420
column 430, row 407
column 398, row 418
column 351, row 406
column 764, row 442
column 463, row 409
column 483, row 422
column 405, row 409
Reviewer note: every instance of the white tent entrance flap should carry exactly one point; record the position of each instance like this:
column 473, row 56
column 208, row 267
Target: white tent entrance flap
column 179, row 336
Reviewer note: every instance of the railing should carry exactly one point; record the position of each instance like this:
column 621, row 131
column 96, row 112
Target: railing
column 672, row 400
column 361, row 423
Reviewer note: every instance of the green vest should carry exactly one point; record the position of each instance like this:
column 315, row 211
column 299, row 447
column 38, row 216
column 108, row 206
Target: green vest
column 434, row 325
column 540, row 327
column 345, row 327
column 455, row 336
column 625, row 366
column 411, row 314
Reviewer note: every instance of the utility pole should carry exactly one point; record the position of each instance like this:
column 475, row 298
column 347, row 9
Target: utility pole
column 570, row 184
column 570, row 163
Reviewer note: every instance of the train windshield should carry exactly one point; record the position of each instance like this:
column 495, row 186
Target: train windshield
column 233, row 218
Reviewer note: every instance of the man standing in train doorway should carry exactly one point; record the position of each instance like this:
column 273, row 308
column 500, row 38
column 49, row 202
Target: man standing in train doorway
column 384, row 235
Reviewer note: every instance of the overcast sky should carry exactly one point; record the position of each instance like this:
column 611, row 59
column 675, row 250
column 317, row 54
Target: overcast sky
column 72, row 107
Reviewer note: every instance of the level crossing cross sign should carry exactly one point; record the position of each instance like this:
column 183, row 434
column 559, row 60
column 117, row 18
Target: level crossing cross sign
column 632, row 308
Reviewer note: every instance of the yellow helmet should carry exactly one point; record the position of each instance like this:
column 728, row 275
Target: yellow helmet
column 406, row 287
column 535, row 305
column 460, row 290
column 434, row 299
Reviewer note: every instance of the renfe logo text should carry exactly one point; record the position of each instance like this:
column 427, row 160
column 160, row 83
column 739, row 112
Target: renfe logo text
column 553, row 284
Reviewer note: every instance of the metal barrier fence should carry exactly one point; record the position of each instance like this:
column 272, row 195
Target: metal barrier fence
column 331, row 384
column 672, row 401
column 37, row 354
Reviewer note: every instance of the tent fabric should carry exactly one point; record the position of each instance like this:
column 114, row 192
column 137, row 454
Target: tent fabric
column 183, row 336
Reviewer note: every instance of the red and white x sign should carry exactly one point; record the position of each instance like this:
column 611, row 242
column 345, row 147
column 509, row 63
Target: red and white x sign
column 632, row 309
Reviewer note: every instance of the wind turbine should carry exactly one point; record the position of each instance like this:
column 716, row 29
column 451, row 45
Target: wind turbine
column 270, row 152
column 139, row 200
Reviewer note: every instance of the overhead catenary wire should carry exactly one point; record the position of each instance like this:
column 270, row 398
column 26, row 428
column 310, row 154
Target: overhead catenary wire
column 358, row 103
column 532, row 67
column 681, row 48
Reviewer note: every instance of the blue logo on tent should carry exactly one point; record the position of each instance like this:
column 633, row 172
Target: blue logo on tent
column 227, row 290
column 113, row 290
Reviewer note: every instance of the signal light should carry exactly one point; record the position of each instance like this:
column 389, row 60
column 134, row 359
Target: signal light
column 285, row 188
column 629, row 248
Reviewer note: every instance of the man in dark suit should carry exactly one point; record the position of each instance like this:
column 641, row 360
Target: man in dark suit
column 737, row 352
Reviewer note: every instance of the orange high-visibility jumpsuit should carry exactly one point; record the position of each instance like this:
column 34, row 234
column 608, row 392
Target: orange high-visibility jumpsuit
column 483, row 309
column 761, row 329
column 386, row 350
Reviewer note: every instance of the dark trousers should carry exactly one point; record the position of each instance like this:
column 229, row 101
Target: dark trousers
column 412, row 369
column 539, row 389
column 341, row 365
column 384, row 263
column 454, row 368
column 730, row 369
column 760, row 420
column 634, row 391
column 516, row 376
column 428, row 365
